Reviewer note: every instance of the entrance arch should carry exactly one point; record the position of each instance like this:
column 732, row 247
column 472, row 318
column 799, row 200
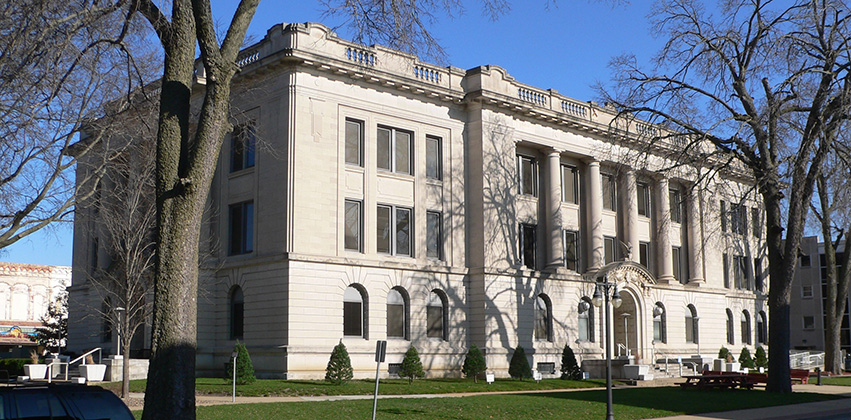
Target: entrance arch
column 626, row 325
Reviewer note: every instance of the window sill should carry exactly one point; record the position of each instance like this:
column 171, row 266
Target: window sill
column 390, row 174
column 434, row 181
column 527, row 197
column 241, row 172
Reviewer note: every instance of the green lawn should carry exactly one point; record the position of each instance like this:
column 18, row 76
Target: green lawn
column 836, row 380
column 280, row 387
column 634, row 403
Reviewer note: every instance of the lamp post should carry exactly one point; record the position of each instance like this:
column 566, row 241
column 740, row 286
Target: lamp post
column 604, row 288
column 120, row 311
column 234, row 356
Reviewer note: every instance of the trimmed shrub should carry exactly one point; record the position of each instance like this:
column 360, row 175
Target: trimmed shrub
column 724, row 354
column 761, row 360
column 15, row 367
column 244, row 367
column 474, row 363
column 569, row 367
column 519, row 368
column 745, row 358
column 412, row 366
column 339, row 369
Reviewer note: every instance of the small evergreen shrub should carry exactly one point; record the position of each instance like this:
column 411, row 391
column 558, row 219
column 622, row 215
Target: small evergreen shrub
column 519, row 368
column 15, row 367
column 745, row 358
column 244, row 367
column 724, row 353
column 411, row 367
column 569, row 367
column 339, row 369
column 474, row 363
column 761, row 360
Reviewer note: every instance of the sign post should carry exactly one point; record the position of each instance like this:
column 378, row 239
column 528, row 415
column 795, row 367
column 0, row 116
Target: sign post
column 380, row 352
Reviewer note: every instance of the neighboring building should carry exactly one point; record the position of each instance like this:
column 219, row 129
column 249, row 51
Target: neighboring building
column 365, row 195
column 26, row 290
column 809, row 297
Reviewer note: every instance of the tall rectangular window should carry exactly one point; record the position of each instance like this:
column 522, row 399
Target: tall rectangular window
column 241, row 228
column 645, row 258
column 609, row 249
column 676, row 258
column 758, row 275
column 528, row 244
column 354, row 142
column 723, row 216
column 643, row 199
column 571, row 250
column 395, row 151
column 743, row 220
column 434, row 158
column 394, row 230
column 675, row 201
column 354, row 226
column 569, row 184
column 740, row 271
column 242, row 145
column 725, row 259
column 609, row 192
column 527, row 172
column 434, row 235
column 756, row 221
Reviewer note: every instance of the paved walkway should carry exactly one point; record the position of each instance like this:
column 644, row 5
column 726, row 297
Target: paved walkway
column 839, row 409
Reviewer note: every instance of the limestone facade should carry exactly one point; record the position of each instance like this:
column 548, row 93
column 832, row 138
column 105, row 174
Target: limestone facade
column 384, row 198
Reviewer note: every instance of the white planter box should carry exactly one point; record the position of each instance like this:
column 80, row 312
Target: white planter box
column 93, row 373
column 734, row 367
column 36, row 371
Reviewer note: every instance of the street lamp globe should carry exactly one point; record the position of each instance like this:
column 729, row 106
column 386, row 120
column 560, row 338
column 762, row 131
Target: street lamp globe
column 597, row 299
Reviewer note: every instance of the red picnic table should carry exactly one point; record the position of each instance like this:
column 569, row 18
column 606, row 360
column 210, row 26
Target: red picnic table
column 725, row 381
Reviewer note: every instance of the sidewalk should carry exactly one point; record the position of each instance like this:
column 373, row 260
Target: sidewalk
column 826, row 410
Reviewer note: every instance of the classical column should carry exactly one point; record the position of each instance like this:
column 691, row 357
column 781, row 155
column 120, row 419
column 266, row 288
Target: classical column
column 553, row 206
column 631, row 214
column 663, row 232
column 695, row 237
column 595, row 216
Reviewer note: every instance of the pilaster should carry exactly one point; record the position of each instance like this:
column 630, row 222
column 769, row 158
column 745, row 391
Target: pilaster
column 595, row 216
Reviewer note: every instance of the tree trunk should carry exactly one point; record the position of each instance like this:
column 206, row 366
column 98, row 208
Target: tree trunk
column 779, row 294
column 126, row 338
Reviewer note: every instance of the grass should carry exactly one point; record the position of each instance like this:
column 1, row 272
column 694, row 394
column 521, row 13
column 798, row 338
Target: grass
column 833, row 380
column 296, row 388
column 635, row 403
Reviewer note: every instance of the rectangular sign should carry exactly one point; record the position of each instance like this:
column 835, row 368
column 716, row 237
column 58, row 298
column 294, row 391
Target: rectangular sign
column 380, row 351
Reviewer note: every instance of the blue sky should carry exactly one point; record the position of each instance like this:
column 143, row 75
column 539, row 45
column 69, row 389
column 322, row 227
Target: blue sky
column 561, row 45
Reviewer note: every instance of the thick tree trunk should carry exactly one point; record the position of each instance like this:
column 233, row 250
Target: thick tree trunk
column 126, row 338
column 170, row 391
column 779, row 295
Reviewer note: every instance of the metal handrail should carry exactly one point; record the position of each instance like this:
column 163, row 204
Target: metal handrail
column 83, row 356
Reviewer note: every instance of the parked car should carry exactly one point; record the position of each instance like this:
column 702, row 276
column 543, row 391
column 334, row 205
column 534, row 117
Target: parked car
column 61, row 402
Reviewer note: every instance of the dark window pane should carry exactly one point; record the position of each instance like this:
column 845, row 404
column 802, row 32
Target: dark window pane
column 403, row 153
column 571, row 257
column 384, row 232
column 608, row 192
column 433, row 158
column 674, row 202
column 675, row 257
column 236, row 232
column 352, row 321
column 609, row 249
column 403, row 232
column 384, row 155
column 238, row 320
column 396, row 321
column 434, row 315
column 434, row 235
column 723, row 216
column 569, row 184
column 354, row 142
column 528, row 243
column 528, row 175
column 644, row 254
column 643, row 200
column 248, row 227
column 353, row 225
column 541, row 319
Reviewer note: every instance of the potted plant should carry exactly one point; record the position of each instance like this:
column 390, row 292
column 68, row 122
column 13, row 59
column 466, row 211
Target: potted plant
column 91, row 371
column 35, row 370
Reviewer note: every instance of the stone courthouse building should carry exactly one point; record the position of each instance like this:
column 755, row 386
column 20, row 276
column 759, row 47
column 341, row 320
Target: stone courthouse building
column 366, row 195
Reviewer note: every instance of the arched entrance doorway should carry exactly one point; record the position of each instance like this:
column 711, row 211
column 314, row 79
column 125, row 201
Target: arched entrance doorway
column 625, row 329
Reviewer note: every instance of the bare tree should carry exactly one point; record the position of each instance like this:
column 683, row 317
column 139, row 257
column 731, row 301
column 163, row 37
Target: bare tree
column 833, row 213
column 758, row 82
column 125, row 219
column 59, row 63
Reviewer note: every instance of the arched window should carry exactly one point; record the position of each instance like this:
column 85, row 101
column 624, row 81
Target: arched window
column 746, row 327
column 660, row 327
column 397, row 313
column 543, row 318
column 692, row 331
column 761, row 331
column 731, row 336
column 586, row 320
column 354, row 312
column 237, row 313
column 436, row 315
